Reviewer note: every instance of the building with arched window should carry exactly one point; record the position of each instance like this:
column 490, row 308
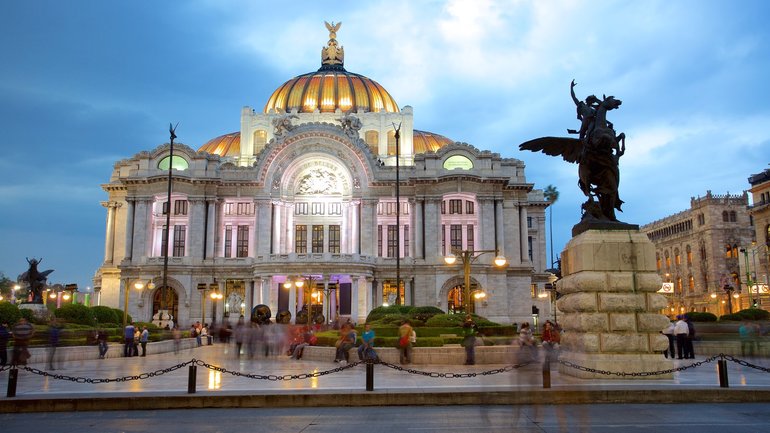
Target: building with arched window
column 711, row 234
column 306, row 191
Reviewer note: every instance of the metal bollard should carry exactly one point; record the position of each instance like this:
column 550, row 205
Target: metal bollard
column 13, row 376
column 722, row 369
column 369, row 375
column 191, row 379
column 547, row 371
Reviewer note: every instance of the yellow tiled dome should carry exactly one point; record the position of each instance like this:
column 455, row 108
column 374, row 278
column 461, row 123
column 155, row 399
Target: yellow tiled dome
column 224, row 145
column 428, row 141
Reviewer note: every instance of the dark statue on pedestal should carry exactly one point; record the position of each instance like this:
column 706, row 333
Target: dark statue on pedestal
column 36, row 281
column 597, row 151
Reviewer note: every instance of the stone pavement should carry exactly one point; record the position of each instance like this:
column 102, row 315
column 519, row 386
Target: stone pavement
column 331, row 384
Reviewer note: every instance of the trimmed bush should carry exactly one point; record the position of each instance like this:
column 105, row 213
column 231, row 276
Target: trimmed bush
column 701, row 317
column 29, row 315
column 424, row 313
column 119, row 312
column 754, row 314
column 456, row 320
column 76, row 313
column 379, row 312
column 9, row 313
column 106, row 315
column 730, row 318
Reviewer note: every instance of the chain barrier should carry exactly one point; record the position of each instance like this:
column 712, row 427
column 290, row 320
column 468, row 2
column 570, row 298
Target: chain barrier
column 5, row 367
column 450, row 375
column 638, row 373
column 273, row 377
column 744, row 363
column 79, row 379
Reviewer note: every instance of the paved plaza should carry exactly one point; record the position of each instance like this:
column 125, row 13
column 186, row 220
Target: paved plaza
column 279, row 381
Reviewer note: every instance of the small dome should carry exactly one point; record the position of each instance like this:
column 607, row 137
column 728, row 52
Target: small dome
column 224, row 145
column 428, row 141
column 328, row 89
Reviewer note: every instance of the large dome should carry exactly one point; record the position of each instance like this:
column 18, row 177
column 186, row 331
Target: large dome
column 427, row 141
column 331, row 87
column 328, row 89
column 224, row 145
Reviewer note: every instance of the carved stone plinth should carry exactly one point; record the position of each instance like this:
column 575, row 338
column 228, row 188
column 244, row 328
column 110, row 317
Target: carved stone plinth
column 162, row 319
column 610, row 307
column 39, row 310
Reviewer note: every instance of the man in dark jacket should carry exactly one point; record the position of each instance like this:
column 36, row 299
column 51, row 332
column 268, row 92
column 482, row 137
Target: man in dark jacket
column 688, row 349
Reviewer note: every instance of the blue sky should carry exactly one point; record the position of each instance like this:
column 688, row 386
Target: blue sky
column 84, row 84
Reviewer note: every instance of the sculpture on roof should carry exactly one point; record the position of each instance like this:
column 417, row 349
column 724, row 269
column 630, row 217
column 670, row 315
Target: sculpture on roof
column 332, row 54
column 350, row 125
column 597, row 151
column 36, row 280
column 283, row 124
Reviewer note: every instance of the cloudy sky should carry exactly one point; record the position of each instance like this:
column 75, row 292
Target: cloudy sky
column 86, row 83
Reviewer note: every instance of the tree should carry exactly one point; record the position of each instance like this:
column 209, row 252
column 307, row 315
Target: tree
column 6, row 286
column 551, row 195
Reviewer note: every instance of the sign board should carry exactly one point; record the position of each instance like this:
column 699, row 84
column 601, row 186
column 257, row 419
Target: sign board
column 667, row 288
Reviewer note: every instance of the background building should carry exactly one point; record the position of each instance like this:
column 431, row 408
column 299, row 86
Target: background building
column 306, row 190
column 698, row 253
column 757, row 262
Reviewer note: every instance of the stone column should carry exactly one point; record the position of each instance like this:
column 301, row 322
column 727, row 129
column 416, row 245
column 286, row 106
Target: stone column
column 129, row 245
column 263, row 227
column 524, row 235
column 432, row 227
column 211, row 222
column 610, row 305
column 293, row 302
column 326, row 310
column 417, row 229
column 109, row 237
column 277, row 228
column 369, row 228
column 354, row 292
column 250, row 285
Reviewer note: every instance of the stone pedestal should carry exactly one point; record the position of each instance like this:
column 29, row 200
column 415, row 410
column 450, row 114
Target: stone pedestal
column 40, row 311
column 610, row 307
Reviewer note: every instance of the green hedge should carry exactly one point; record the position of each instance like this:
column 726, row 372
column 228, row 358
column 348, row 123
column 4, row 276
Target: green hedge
column 701, row 317
column 754, row 314
column 379, row 312
column 9, row 313
column 106, row 315
column 730, row 317
column 76, row 313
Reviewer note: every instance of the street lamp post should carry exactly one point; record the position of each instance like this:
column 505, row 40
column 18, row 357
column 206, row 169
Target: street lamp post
column 138, row 285
column 467, row 257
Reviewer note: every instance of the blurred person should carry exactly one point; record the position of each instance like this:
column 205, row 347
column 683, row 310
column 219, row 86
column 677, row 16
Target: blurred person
column 195, row 332
column 550, row 339
column 746, row 332
column 5, row 335
column 308, row 339
column 143, row 338
column 405, row 342
column 54, row 332
column 669, row 333
column 469, row 331
column 177, row 334
column 241, row 333
column 689, row 350
column 205, row 334
column 346, row 341
column 22, row 333
column 128, row 339
column 527, row 343
column 101, row 341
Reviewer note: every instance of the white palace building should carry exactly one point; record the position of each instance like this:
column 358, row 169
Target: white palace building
column 306, row 190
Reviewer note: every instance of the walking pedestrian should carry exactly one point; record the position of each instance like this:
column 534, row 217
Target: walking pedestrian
column 54, row 332
column 470, row 330
column 177, row 334
column 405, row 342
column 22, row 333
column 143, row 338
column 101, row 340
column 689, row 350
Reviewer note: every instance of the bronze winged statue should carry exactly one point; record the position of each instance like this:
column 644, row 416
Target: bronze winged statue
column 596, row 151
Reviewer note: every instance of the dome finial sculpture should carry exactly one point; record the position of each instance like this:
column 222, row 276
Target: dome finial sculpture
column 332, row 54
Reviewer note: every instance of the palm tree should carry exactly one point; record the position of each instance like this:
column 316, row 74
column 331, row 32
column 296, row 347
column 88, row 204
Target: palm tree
column 551, row 195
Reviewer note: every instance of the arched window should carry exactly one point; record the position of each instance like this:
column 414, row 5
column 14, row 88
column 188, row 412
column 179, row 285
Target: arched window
column 725, row 216
column 679, row 288
column 691, row 284
column 260, row 140
column 733, row 216
column 677, row 257
column 728, row 251
column 735, row 251
column 668, row 260
column 391, row 143
column 179, row 163
column 689, row 255
column 372, row 139
column 657, row 260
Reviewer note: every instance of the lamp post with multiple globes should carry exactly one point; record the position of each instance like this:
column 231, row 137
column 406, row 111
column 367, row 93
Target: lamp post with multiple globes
column 138, row 285
column 467, row 257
